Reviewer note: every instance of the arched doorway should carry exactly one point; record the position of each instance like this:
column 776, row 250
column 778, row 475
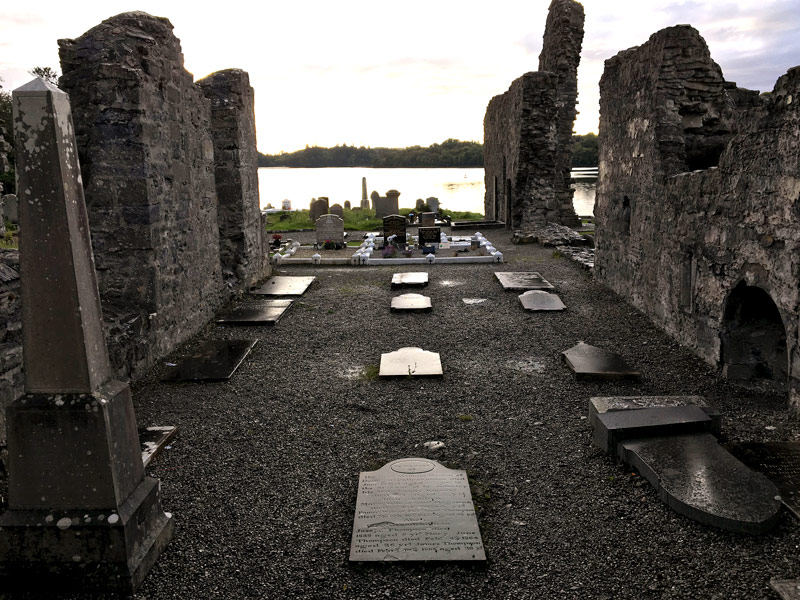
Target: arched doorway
column 753, row 336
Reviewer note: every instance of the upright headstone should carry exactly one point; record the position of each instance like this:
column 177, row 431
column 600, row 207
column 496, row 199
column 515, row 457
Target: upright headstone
column 337, row 210
column 420, row 206
column 433, row 204
column 429, row 235
column 394, row 201
column 427, row 219
column 364, row 200
column 82, row 515
column 394, row 225
column 286, row 204
column 347, row 205
column 330, row 228
column 374, row 196
column 10, row 208
column 319, row 207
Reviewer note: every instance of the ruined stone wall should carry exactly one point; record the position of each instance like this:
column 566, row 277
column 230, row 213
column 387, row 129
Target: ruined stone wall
column 528, row 131
column 699, row 190
column 147, row 160
column 233, row 128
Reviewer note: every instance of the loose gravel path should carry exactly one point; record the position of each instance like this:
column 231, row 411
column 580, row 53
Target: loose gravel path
column 262, row 478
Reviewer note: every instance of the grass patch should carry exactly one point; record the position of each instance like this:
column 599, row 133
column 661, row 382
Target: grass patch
column 465, row 418
column 10, row 241
column 370, row 373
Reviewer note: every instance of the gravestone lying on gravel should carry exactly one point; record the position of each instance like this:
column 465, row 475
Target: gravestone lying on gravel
column 592, row 362
column 415, row 509
column 154, row 439
column 214, row 360
column 539, row 301
column 523, row 281
column 410, row 362
column 411, row 302
column 266, row 313
column 670, row 445
column 780, row 462
column 416, row 279
column 284, row 286
column 787, row 589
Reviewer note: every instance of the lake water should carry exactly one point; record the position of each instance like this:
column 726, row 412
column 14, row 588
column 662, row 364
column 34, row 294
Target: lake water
column 457, row 189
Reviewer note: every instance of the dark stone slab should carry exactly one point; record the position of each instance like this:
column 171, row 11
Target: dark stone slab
column 780, row 462
column 523, row 281
column 787, row 589
column 267, row 313
column 612, row 427
column 410, row 362
column 429, row 235
column 215, row 360
column 411, row 302
column 394, row 225
column 591, row 361
column 419, row 279
column 701, row 480
column 284, row 286
column 415, row 509
column 538, row 301
column 603, row 404
column 153, row 440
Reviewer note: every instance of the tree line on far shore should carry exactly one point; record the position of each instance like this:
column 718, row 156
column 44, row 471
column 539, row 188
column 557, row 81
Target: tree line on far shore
column 450, row 153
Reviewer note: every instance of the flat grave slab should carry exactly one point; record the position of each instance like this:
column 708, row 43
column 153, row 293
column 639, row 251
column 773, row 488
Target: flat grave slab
column 473, row 301
column 411, row 302
column 266, row 313
column 787, row 589
column 284, row 286
column 410, row 362
column 780, row 462
column 153, row 440
column 523, row 281
column 603, row 404
column 415, row 279
column 215, row 360
column 414, row 509
column 590, row 361
column 701, row 480
column 539, row 301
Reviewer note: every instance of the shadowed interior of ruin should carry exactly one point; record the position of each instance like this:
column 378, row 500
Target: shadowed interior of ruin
column 753, row 336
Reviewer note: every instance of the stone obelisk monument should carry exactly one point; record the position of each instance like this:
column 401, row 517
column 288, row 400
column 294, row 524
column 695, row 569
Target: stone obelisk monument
column 364, row 199
column 81, row 513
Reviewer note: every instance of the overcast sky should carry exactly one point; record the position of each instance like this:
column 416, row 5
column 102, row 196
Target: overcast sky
column 379, row 73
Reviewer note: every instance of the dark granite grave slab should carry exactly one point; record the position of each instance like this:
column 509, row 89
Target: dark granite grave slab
column 417, row 279
column 593, row 362
column 215, row 360
column 266, row 313
column 539, row 301
column 284, row 286
column 394, row 225
column 603, row 404
column 410, row 362
column 429, row 235
column 612, row 427
column 415, row 509
column 780, row 462
column 153, row 440
column 411, row 302
column 523, row 281
column 787, row 589
column 701, row 480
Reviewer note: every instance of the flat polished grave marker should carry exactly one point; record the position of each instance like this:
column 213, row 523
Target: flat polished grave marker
column 787, row 589
column 780, row 462
column 523, row 281
column 591, row 361
column 266, row 313
column 411, row 302
column 410, row 362
column 215, row 360
column 539, row 301
column 284, row 286
column 416, row 279
column 415, row 509
column 153, row 440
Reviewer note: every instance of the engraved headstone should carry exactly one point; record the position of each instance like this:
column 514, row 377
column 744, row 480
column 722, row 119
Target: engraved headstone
column 394, row 225
column 410, row 362
column 415, row 279
column 330, row 228
column 337, row 210
column 780, row 462
column 415, row 509
column 266, row 313
column 537, row 301
column 215, row 360
column 591, row 361
column 427, row 219
column 411, row 302
column 429, row 235
column 433, row 204
column 523, row 281
column 286, row 205
column 284, row 286
column 319, row 207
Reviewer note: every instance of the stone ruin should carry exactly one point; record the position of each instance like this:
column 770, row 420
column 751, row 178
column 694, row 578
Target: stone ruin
column 698, row 205
column 528, row 131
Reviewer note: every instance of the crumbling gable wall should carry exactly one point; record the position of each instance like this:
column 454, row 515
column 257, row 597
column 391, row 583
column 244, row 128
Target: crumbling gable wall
column 143, row 130
column 698, row 200
column 528, row 131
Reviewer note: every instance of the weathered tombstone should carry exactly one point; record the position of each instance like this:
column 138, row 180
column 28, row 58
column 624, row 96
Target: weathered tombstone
column 330, row 228
column 415, row 279
column 286, row 205
column 81, row 513
column 429, row 235
column 337, row 210
column 591, row 361
column 319, row 207
column 415, row 509
column 411, row 302
column 427, row 219
column 284, row 286
column 410, row 362
column 384, row 206
column 268, row 312
column 393, row 196
column 420, row 206
column 394, row 225
column 214, row 360
column 10, row 208
column 374, row 196
column 347, row 204
column 523, row 281
column 540, row 301
column 780, row 462
column 433, row 204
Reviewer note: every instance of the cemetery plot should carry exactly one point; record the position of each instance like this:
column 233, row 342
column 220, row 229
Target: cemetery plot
column 410, row 362
column 411, row 302
column 415, row 509
column 591, row 361
column 215, row 360
column 780, row 462
column 284, row 286
column 416, row 279
column 539, row 301
column 154, row 439
column 266, row 313
column 523, row 281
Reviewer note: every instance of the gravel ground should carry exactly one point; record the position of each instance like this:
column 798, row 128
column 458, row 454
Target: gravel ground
column 263, row 475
